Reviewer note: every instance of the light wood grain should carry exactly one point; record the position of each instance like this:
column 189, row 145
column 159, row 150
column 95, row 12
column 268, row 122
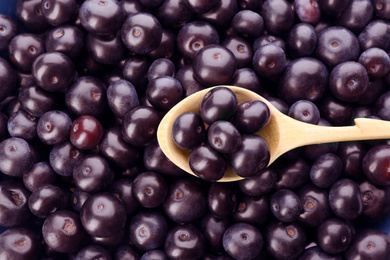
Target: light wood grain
column 282, row 133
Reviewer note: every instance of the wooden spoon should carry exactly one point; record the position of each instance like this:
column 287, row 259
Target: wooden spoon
column 282, row 133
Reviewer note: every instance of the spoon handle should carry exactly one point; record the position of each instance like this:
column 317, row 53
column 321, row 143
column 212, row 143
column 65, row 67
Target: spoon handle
column 364, row 129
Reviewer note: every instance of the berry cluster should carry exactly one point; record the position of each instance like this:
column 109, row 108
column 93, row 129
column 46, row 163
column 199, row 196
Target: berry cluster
column 230, row 132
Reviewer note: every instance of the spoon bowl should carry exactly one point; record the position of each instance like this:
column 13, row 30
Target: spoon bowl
column 283, row 133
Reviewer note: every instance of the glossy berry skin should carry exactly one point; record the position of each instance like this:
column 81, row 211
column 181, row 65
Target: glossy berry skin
column 186, row 77
column 268, row 39
column 201, row 7
column 335, row 235
column 155, row 160
column 13, row 204
column 8, row 79
column 304, row 78
column 213, row 229
column 105, row 49
column 123, row 189
column 58, row 12
column 381, row 9
column 46, row 200
column 194, row 36
column 154, row 254
column 376, row 61
column 207, row 163
column 148, row 230
column 173, row 14
column 335, row 45
column 308, row 11
column 186, row 201
column 375, row 34
column 39, row 174
column 118, row 151
column 126, row 252
column 35, row 100
column 269, row 60
column 326, row 170
column 16, row 156
column 241, row 49
column 167, row 47
column 23, row 49
column 67, row 39
column 63, row 232
column 222, row 199
column 222, row 14
column 315, row 205
column 53, row 71
column 188, row 130
column 356, row 15
column 23, row 125
column 93, row 252
column 285, row 205
column 54, row 127
column 292, row 174
column 218, row 104
column 164, row 92
column 92, row 174
column 332, row 7
column 254, row 210
column 305, row 111
column 214, row 65
column 375, row 200
column 103, row 215
column 86, row 96
column 63, row 157
column 251, row 157
column 247, row 78
column 369, row 244
column 122, row 97
column 243, row 241
column 149, row 189
column 30, row 15
column 316, row 253
column 78, row 199
column 140, row 124
column 141, row 33
column 19, row 243
column 109, row 242
column 301, row 40
column 345, row 199
column 285, row 240
column 335, row 111
column 260, row 184
column 135, row 70
column 248, row 23
column 184, row 242
column 160, row 68
column 375, row 165
column 86, row 132
column 250, row 4
column 101, row 17
column 348, row 81
column 223, row 137
column 381, row 106
column 278, row 16
column 9, row 31
column 113, row 74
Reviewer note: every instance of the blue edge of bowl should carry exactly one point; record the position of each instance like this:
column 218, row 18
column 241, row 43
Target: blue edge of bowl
column 8, row 7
